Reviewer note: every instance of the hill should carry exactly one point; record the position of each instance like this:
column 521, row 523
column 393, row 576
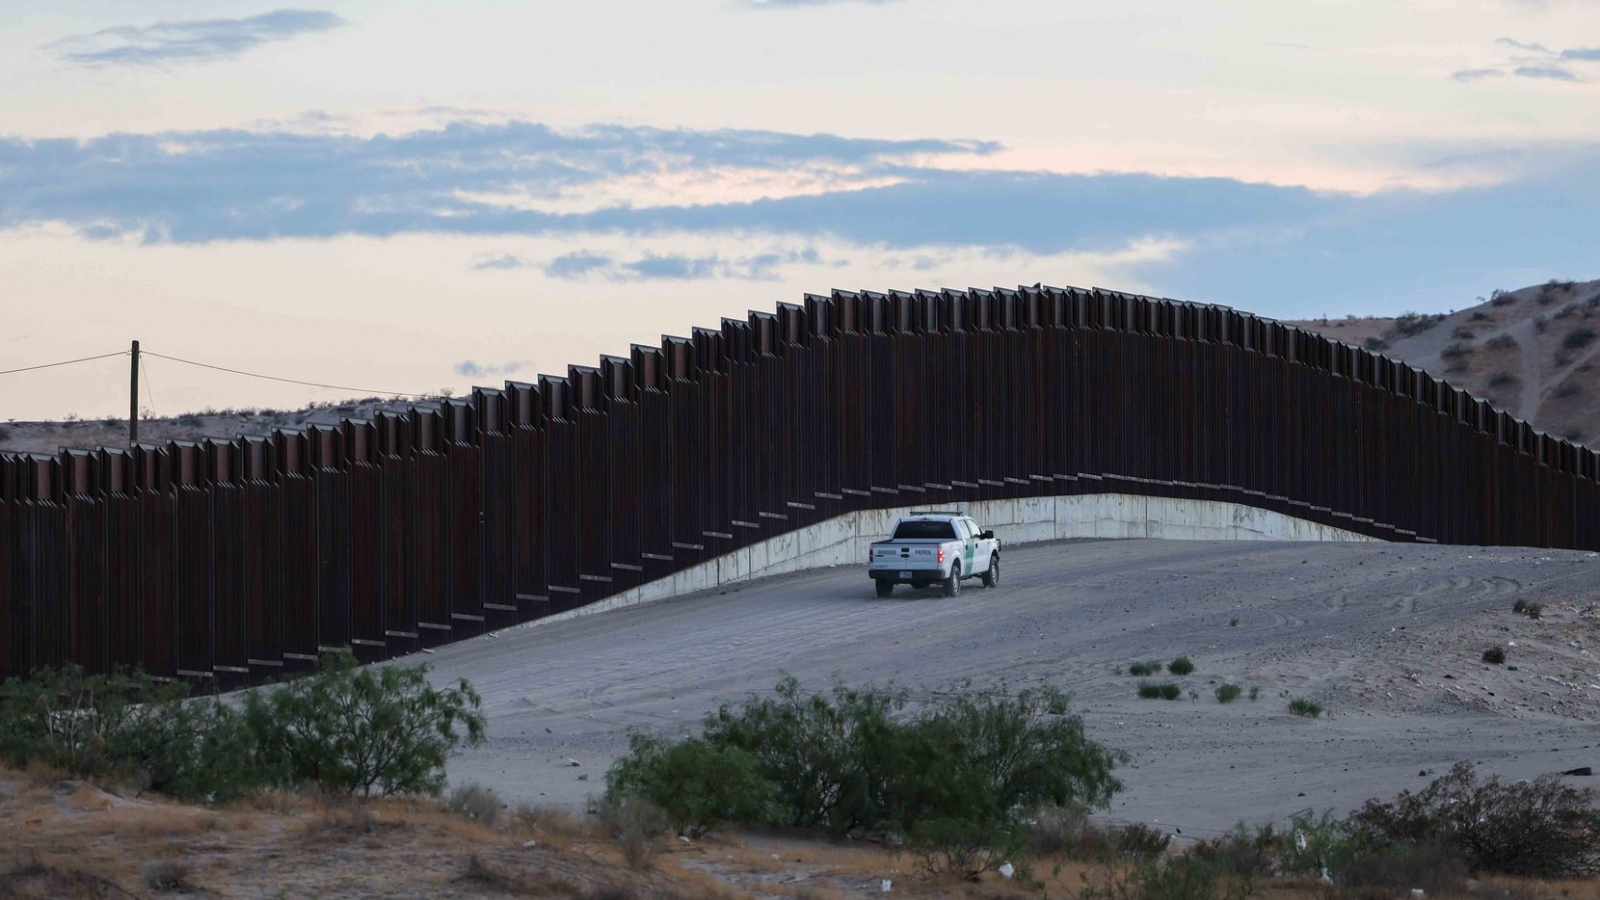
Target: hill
column 1532, row 352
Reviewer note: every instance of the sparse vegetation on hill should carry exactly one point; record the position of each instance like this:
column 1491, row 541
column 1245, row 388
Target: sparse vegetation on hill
column 1519, row 348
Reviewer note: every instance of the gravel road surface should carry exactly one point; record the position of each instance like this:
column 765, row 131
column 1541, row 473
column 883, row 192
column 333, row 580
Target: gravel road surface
column 1387, row 637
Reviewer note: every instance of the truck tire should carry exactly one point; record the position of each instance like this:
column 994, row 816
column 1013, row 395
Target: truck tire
column 992, row 577
column 885, row 587
column 952, row 585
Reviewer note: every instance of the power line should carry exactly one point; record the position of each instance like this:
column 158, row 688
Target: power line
column 336, row 387
column 65, row 362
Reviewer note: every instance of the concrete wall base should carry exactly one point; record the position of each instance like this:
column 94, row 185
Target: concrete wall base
column 843, row 541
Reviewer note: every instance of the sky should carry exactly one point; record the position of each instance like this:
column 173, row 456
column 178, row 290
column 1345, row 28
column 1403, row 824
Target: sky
column 410, row 197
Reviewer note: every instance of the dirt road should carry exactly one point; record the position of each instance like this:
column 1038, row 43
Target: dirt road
column 1387, row 637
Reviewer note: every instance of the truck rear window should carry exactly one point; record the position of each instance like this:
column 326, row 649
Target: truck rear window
column 916, row 531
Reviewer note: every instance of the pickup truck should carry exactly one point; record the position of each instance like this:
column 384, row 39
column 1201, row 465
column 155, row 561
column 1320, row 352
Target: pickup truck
column 934, row 547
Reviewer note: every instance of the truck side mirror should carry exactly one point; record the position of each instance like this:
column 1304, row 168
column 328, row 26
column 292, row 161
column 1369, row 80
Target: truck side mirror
column 987, row 535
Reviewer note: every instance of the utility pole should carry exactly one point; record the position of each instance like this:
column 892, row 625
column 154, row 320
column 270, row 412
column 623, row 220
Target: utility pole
column 133, row 399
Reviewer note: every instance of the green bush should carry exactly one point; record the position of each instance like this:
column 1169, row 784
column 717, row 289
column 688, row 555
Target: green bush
column 828, row 759
column 128, row 725
column 1181, row 666
column 1255, row 692
column 1305, row 708
column 476, row 802
column 1162, row 690
column 1541, row 829
column 952, row 782
column 367, row 730
column 1227, row 693
column 694, row 783
column 1142, row 669
column 1317, row 843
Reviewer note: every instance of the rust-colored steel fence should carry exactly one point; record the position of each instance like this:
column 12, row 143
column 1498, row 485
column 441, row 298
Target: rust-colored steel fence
column 241, row 559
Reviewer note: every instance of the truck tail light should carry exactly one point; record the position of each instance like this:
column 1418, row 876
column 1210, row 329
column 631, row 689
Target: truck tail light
column 941, row 556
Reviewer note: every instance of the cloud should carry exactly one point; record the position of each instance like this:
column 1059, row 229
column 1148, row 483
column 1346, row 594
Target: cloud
column 1521, row 45
column 470, row 369
column 794, row 4
column 1553, row 73
column 576, row 265
column 765, row 266
column 198, row 186
column 1476, row 74
column 202, row 40
column 1251, row 245
column 501, row 261
column 1583, row 54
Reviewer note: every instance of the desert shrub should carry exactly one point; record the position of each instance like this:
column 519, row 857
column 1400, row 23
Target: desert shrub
column 1567, row 389
column 1411, row 324
column 1398, row 870
column 128, row 725
column 1141, row 669
column 1181, row 666
column 1374, row 344
column 1309, row 709
column 1578, row 338
column 1501, row 298
column 1186, row 876
column 1495, row 656
column 166, row 875
column 1255, row 692
column 695, row 784
column 636, row 824
column 1233, row 623
column 476, row 802
column 1478, row 315
column 963, row 775
column 1542, row 828
column 1317, row 843
column 825, row 755
column 1519, row 607
column 1463, row 333
column 1533, row 610
column 1501, row 342
column 953, row 782
column 1244, row 851
column 1455, row 350
column 5, row 433
column 548, row 820
column 372, row 730
column 1227, row 693
column 1540, row 323
column 1159, row 690
column 1501, row 379
column 1057, row 831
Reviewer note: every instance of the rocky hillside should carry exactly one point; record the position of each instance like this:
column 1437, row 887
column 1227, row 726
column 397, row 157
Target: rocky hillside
column 1533, row 352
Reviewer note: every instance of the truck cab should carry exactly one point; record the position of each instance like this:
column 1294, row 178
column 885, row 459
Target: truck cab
column 934, row 547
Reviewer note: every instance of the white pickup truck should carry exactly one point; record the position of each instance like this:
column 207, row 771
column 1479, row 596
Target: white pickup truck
column 934, row 547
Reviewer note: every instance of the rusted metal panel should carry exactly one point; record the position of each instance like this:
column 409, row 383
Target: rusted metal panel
column 510, row 504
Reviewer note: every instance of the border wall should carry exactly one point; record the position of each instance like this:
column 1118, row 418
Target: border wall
column 238, row 560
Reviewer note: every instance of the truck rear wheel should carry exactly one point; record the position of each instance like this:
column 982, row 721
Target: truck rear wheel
column 992, row 577
column 952, row 585
column 885, row 587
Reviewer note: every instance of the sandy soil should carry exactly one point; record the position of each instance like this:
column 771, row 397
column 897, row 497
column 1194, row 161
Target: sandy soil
column 1387, row 637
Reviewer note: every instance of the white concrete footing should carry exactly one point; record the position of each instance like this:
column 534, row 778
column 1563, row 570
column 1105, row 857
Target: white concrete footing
column 844, row 540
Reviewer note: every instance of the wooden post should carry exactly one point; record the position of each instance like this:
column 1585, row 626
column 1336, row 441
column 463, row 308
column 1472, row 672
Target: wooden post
column 133, row 399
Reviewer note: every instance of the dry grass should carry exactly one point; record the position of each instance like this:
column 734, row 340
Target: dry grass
column 70, row 839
